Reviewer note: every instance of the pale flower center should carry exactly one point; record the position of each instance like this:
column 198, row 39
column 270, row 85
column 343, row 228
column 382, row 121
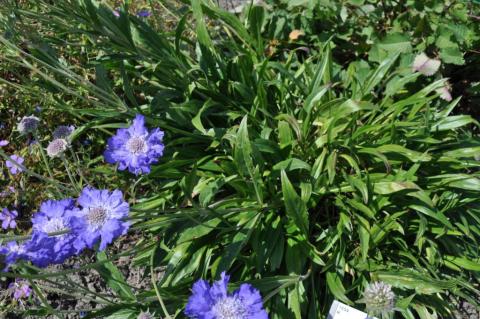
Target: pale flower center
column 20, row 249
column 96, row 216
column 54, row 225
column 136, row 145
column 229, row 308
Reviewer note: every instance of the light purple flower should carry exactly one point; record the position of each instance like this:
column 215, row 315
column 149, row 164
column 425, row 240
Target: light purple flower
column 20, row 289
column 14, row 169
column 214, row 302
column 3, row 143
column 8, row 218
column 116, row 13
column 144, row 13
column 135, row 148
column 57, row 147
column 102, row 216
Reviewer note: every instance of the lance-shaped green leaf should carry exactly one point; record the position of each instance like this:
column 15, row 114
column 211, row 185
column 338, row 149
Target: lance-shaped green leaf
column 294, row 205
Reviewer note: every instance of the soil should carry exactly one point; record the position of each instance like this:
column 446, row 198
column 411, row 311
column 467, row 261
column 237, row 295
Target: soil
column 467, row 311
column 71, row 299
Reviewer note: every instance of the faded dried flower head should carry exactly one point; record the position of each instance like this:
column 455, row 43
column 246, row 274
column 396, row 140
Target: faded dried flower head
column 425, row 65
column 378, row 298
column 57, row 147
column 28, row 124
column 145, row 315
column 445, row 92
column 63, row 131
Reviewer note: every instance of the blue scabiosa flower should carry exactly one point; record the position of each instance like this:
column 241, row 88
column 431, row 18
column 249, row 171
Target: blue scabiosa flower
column 12, row 251
column 14, row 169
column 214, row 302
column 102, row 216
column 3, row 143
column 135, row 148
column 40, row 249
column 20, row 289
column 57, row 216
column 8, row 218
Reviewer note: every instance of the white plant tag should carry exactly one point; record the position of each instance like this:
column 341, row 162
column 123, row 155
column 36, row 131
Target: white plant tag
column 339, row 310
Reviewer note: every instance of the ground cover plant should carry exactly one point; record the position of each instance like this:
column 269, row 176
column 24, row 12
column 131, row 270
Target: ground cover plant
column 258, row 165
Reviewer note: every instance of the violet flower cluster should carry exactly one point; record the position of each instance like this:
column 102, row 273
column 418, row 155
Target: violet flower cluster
column 20, row 289
column 63, row 228
column 214, row 302
column 8, row 218
column 135, row 148
column 13, row 167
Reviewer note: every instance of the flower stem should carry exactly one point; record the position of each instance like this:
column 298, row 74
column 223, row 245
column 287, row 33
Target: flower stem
column 44, row 158
column 70, row 176
column 152, row 275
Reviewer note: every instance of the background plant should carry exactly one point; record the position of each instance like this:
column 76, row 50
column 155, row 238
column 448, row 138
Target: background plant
column 307, row 174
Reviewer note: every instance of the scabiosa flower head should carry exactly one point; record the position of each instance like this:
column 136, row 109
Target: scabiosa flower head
column 425, row 65
column 3, row 143
column 135, row 147
column 40, row 249
column 14, row 169
column 28, row 124
column 12, row 251
column 378, row 298
column 8, row 218
column 214, row 302
column 102, row 216
column 116, row 12
column 57, row 147
column 20, row 289
column 63, row 131
column 444, row 92
column 57, row 216
column 145, row 315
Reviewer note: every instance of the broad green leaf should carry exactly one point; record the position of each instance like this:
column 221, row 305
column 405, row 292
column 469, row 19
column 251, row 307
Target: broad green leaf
column 334, row 284
column 392, row 187
column 294, row 206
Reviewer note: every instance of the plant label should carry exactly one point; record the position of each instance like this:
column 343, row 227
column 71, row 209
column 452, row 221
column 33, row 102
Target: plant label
column 339, row 310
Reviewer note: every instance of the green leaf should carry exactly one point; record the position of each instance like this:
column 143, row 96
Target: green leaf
column 385, row 188
column 452, row 55
column 294, row 205
column 243, row 158
column 396, row 42
column 459, row 263
column 113, row 277
column 335, row 285
column 410, row 279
